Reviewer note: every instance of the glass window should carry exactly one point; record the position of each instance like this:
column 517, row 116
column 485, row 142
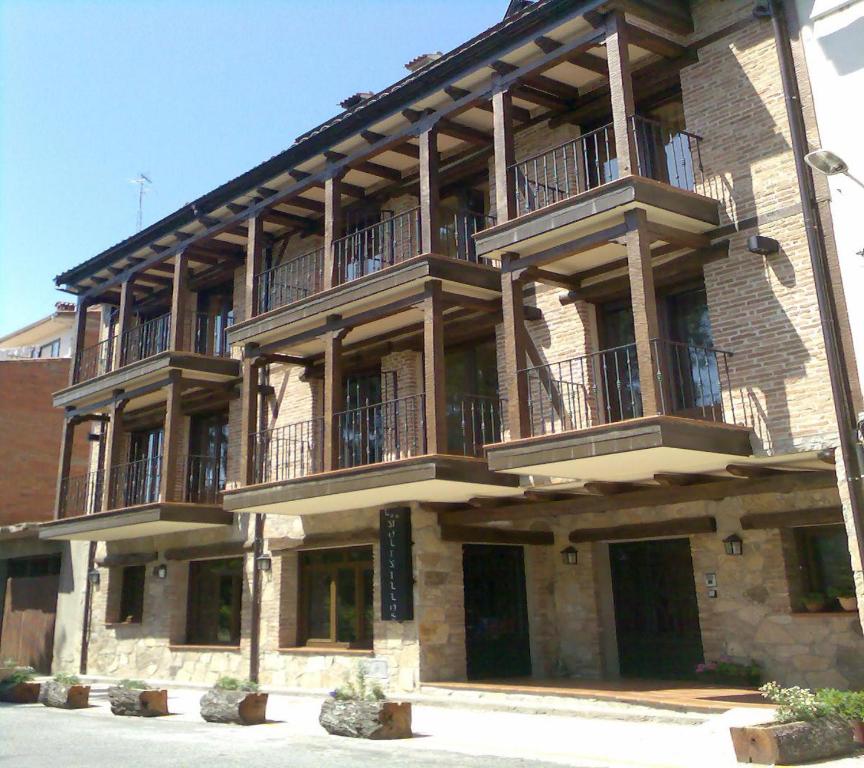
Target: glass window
column 51, row 349
column 132, row 594
column 215, row 588
column 824, row 561
column 336, row 597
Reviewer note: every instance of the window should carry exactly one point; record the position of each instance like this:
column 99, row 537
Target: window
column 51, row 349
column 132, row 595
column 215, row 588
column 336, row 597
column 824, row 564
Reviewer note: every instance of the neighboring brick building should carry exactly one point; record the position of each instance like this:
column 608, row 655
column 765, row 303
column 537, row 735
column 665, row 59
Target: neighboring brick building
column 482, row 377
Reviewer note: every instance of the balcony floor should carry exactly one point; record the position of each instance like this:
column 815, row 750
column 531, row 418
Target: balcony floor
column 424, row 478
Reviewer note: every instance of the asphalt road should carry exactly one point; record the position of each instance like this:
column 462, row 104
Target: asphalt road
column 36, row 737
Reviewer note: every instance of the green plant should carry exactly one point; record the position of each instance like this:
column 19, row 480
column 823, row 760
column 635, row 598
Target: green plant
column 235, row 684
column 725, row 670
column 65, row 678
column 359, row 688
column 133, row 685
column 20, row 675
column 793, row 704
column 847, row 705
column 813, row 597
column 844, row 591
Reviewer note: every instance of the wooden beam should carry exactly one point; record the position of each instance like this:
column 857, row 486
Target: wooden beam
column 796, row 517
column 621, row 91
column 302, row 202
column 654, row 43
column 540, row 98
column 519, row 113
column 676, row 236
column 406, row 149
column 505, row 156
column 248, row 416
column 472, row 534
column 464, row 133
column 325, row 540
column 512, row 304
column 540, row 83
column 430, row 228
column 682, row 526
column 226, row 549
column 333, row 397
column 589, row 61
column 172, row 441
column 677, row 479
column 570, row 248
column 254, row 265
column 433, row 369
column 754, row 470
column 538, row 275
column 332, row 227
column 604, row 488
column 366, row 166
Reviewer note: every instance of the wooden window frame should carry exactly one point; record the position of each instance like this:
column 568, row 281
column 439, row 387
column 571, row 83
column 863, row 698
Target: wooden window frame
column 192, row 634
column 136, row 616
column 808, row 570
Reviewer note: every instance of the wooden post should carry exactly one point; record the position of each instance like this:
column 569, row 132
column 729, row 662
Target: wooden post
column 513, row 311
column 332, row 396
column 332, row 228
column 180, row 304
column 621, row 93
column 644, row 303
column 248, row 416
column 505, row 156
column 78, row 336
column 113, row 450
column 254, row 263
column 67, row 444
column 171, row 445
column 430, row 231
column 124, row 320
column 433, row 369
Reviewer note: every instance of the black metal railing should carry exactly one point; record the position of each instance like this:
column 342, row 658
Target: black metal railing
column 457, row 234
column 381, row 432
column 203, row 479
column 81, row 494
column 145, row 340
column 376, row 247
column 136, row 482
column 288, row 452
column 293, row 280
column 474, row 421
column 605, row 387
column 95, row 360
column 211, row 334
column 663, row 153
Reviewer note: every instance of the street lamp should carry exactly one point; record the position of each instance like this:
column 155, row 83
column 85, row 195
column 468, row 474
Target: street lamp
column 825, row 161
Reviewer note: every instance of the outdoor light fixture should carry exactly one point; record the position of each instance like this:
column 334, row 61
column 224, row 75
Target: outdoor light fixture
column 264, row 562
column 569, row 556
column 160, row 571
column 94, row 577
column 826, row 162
column 733, row 545
column 762, row 245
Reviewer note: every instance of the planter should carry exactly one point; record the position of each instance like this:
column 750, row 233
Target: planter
column 815, row 606
column 239, row 707
column 857, row 731
column 6, row 672
column 20, row 693
column 138, row 703
column 848, row 603
column 792, row 743
column 54, row 694
column 366, row 719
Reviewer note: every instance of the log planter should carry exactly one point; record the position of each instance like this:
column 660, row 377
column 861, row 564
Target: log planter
column 20, row 693
column 240, row 707
column 138, row 703
column 54, row 694
column 792, row 743
column 366, row 719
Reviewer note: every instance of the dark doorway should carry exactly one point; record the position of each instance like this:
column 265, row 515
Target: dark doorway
column 496, row 611
column 656, row 614
column 208, row 457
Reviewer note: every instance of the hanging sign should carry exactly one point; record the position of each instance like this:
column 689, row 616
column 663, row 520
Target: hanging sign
column 397, row 577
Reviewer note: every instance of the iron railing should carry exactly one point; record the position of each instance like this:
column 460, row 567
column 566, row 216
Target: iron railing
column 288, row 452
column 95, row 360
column 81, row 494
column 474, row 421
column 663, row 153
column 605, row 387
column 136, row 482
column 376, row 247
column 211, row 337
column 382, row 432
column 457, row 234
column 145, row 340
column 203, row 479
column 293, row 280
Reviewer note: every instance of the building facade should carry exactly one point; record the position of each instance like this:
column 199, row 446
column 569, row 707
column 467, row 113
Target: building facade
column 515, row 368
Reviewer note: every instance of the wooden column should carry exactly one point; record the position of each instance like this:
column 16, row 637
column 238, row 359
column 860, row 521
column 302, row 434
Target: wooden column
column 113, row 449
column 332, row 227
column 333, row 399
column 67, row 444
column 78, row 337
column 433, row 369
column 172, row 446
column 645, row 324
column 430, row 232
column 179, row 340
column 513, row 310
column 505, row 155
column 621, row 93
column 254, row 263
column 124, row 319
column 248, row 415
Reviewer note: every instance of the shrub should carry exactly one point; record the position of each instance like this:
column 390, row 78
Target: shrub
column 66, row 679
column 235, row 684
column 847, row 705
column 358, row 688
column 20, row 675
column 725, row 670
column 133, row 685
column 793, row 704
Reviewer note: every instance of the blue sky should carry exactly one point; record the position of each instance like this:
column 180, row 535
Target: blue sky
column 191, row 92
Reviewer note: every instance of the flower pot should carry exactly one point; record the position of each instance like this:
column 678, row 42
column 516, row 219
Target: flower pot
column 20, row 693
column 366, row 719
column 848, row 603
column 54, row 694
column 792, row 743
column 815, row 606
column 240, row 707
column 857, row 731
column 138, row 703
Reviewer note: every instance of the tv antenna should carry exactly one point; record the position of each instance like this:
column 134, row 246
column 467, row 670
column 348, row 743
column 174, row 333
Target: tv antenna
column 143, row 181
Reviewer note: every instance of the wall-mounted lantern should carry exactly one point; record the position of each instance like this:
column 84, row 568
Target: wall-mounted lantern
column 94, row 577
column 733, row 545
column 569, row 556
column 161, row 571
column 264, row 563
